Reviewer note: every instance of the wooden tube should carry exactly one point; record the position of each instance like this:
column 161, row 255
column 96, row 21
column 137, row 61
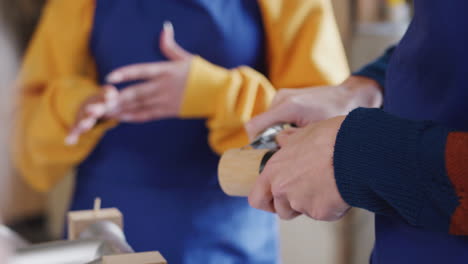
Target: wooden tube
column 238, row 169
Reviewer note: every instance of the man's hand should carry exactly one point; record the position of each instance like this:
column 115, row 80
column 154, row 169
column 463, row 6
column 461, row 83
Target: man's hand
column 161, row 92
column 299, row 178
column 91, row 111
column 305, row 106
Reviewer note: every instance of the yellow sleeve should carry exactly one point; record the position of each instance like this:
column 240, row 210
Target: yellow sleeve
column 303, row 48
column 57, row 75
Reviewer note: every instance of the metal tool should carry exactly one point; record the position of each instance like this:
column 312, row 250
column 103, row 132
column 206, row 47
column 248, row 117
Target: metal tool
column 12, row 238
column 109, row 232
column 63, row 252
column 100, row 239
column 267, row 139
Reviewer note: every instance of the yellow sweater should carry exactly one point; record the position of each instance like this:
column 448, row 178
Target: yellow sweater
column 58, row 74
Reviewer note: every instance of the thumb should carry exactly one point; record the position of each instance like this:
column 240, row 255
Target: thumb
column 278, row 114
column 283, row 137
column 169, row 46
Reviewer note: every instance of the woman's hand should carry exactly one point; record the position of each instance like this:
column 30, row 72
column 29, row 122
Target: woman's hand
column 91, row 111
column 305, row 106
column 161, row 92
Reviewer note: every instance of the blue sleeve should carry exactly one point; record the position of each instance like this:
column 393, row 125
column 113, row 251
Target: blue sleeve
column 395, row 167
column 377, row 69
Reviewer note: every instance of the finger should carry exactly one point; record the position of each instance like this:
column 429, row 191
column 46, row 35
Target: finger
column 110, row 92
column 137, row 93
column 71, row 139
column 145, row 115
column 169, row 46
column 261, row 197
column 81, row 127
column 96, row 110
column 149, row 103
column 284, row 210
column 279, row 114
column 111, row 98
column 141, row 71
column 92, row 113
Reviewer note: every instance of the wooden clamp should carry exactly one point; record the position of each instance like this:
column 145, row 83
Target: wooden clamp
column 80, row 220
column 239, row 169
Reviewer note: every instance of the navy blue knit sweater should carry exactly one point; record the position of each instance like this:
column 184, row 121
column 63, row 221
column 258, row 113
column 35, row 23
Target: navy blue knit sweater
column 377, row 69
column 393, row 163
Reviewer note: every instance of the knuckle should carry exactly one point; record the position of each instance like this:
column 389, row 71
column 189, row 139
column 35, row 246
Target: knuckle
column 278, row 191
column 314, row 214
column 295, row 102
column 292, row 106
column 253, row 201
column 296, row 206
column 321, row 214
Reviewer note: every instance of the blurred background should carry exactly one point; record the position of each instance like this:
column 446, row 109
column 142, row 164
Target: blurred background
column 367, row 27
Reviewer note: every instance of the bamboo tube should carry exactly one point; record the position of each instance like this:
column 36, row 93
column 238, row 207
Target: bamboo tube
column 239, row 169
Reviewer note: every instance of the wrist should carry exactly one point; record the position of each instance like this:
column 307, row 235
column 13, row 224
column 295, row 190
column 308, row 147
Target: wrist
column 362, row 92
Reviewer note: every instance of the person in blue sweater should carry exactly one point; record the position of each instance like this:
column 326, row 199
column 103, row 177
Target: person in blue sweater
column 407, row 162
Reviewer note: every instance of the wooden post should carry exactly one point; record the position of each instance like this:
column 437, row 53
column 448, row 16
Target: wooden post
column 80, row 220
column 239, row 169
column 136, row 258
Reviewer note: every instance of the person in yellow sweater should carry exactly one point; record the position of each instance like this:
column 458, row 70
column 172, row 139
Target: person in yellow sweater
column 105, row 89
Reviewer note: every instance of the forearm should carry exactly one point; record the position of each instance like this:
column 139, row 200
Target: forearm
column 227, row 99
column 393, row 166
column 358, row 91
column 365, row 87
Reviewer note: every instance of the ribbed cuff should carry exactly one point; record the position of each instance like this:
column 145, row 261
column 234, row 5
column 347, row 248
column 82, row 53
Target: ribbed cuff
column 387, row 165
column 377, row 69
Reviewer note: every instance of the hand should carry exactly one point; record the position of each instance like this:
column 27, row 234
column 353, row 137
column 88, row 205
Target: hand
column 299, row 178
column 305, row 106
column 94, row 108
column 160, row 94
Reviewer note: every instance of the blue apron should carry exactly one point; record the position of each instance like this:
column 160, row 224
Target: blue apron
column 162, row 174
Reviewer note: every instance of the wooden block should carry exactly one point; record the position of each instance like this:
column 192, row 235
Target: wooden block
column 238, row 170
column 80, row 220
column 137, row 258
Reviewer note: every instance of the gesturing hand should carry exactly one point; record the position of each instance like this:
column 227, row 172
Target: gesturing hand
column 94, row 108
column 299, row 178
column 160, row 94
